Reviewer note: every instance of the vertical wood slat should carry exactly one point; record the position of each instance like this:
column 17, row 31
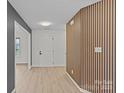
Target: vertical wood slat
column 103, row 42
column 96, row 65
column 98, row 45
column 114, row 45
column 82, row 45
column 89, row 48
column 83, row 12
column 84, row 42
column 92, row 49
column 108, row 43
column 111, row 48
column 94, row 46
column 101, row 45
column 98, row 30
column 86, row 49
column 83, row 51
column 106, row 56
column 99, row 61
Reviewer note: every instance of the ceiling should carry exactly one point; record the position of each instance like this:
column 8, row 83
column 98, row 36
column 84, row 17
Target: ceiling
column 59, row 12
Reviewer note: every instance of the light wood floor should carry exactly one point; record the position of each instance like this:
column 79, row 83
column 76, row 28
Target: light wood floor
column 43, row 80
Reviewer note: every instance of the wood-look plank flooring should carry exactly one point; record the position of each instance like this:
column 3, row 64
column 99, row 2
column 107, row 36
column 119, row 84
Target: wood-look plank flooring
column 43, row 80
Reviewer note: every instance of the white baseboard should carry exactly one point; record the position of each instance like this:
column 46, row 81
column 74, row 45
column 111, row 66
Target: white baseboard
column 45, row 66
column 21, row 63
column 81, row 90
column 13, row 91
column 29, row 67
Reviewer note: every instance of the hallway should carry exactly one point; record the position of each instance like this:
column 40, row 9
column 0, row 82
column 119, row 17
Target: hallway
column 75, row 38
column 43, row 80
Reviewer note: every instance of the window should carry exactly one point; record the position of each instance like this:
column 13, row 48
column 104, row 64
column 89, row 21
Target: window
column 18, row 50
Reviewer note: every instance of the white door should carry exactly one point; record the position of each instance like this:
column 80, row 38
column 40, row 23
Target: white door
column 48, row 48
column 42, row 49
column 59, row 48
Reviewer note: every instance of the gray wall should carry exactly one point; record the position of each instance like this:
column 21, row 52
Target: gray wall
column 12, row 15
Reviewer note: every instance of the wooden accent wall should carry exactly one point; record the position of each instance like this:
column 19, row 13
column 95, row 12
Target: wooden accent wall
column 73, row 48
column 94, row 26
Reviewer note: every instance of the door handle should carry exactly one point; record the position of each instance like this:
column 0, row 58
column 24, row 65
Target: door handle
column 40, row 53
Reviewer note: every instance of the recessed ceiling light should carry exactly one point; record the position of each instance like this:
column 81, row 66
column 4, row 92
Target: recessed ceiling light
column 45, row 23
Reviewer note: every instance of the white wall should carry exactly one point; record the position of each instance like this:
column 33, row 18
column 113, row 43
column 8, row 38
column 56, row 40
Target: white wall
column 58, row 45
column 24, row 36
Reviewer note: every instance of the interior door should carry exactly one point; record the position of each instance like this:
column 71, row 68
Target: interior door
column 59, row 48
column 42, row 46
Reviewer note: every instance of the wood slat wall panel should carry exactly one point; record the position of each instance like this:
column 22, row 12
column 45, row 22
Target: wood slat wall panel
column 77, row 49
column 68, row 64
column 73, row 48
column 83, row 46
column 96, row 29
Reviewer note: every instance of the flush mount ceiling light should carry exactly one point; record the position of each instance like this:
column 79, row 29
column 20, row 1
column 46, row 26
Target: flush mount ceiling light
column 45, row 23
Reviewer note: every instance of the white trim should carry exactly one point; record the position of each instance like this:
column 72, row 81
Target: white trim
column 29, row 67
column 45, row 66
column 29, row 51
column 15, row 24
column 36, row 66
column 13, row 91
column 81, row 90
column 19, row 62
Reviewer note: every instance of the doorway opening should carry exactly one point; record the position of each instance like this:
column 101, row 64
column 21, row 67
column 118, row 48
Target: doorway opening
column 22, row 51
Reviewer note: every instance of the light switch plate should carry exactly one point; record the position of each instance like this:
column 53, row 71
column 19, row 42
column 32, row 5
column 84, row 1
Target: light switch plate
column 98, row 49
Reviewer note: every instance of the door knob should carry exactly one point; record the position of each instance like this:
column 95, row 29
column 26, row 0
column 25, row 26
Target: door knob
column 40, row 52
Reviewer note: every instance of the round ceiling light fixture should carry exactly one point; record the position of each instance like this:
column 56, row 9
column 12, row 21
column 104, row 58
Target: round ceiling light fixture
column 45, row 23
